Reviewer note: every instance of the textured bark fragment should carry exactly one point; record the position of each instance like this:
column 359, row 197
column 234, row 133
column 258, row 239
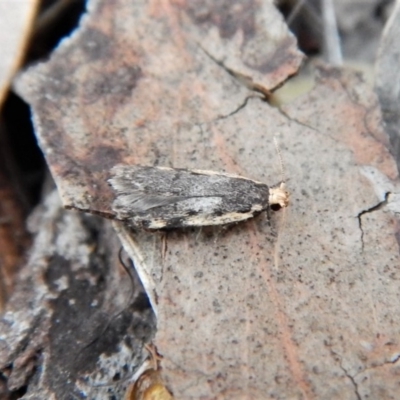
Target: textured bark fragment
column 75, row 325
column 294, row 308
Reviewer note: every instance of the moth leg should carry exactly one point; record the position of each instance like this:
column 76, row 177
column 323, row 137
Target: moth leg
column 199, row 233
column 155, row 357
column 268, row 210
column 164, row 245
column 273, row 232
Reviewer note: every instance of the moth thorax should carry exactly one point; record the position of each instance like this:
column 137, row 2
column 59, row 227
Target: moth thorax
column 279, row 196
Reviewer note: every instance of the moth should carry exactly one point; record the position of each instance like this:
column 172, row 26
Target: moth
column 160, row 197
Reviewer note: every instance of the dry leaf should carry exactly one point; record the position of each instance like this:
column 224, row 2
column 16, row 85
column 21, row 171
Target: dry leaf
column 303, row 307
column 73, row 321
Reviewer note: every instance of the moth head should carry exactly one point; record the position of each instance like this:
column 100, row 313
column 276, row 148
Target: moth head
column 278, row 196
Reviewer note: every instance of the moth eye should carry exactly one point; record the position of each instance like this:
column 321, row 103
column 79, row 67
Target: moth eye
column 275, row 207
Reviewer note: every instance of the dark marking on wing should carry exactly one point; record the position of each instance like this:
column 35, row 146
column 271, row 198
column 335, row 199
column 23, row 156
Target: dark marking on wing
column 158, row 197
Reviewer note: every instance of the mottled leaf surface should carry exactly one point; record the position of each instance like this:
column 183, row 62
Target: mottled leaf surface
column 303, row 306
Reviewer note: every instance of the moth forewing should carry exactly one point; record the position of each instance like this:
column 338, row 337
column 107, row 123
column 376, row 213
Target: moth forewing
column 161, row 197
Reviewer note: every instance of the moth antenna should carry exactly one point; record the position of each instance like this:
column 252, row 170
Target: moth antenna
column 284, row 203
column 278, row 150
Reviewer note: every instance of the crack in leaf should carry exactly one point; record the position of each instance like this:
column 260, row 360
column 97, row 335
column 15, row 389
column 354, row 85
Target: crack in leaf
column 352, row 380
column 243, row 79
column 380, row 365
column 286, row 115
column 376, row 207
column 236, row 110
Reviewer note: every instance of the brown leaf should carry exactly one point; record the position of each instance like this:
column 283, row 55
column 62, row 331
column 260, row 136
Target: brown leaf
column 304, row 308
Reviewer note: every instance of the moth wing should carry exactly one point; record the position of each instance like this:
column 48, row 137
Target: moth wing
column 158, row 197
column 140, row 201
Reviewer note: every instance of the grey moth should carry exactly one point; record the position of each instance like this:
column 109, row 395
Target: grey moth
column 159, row 197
